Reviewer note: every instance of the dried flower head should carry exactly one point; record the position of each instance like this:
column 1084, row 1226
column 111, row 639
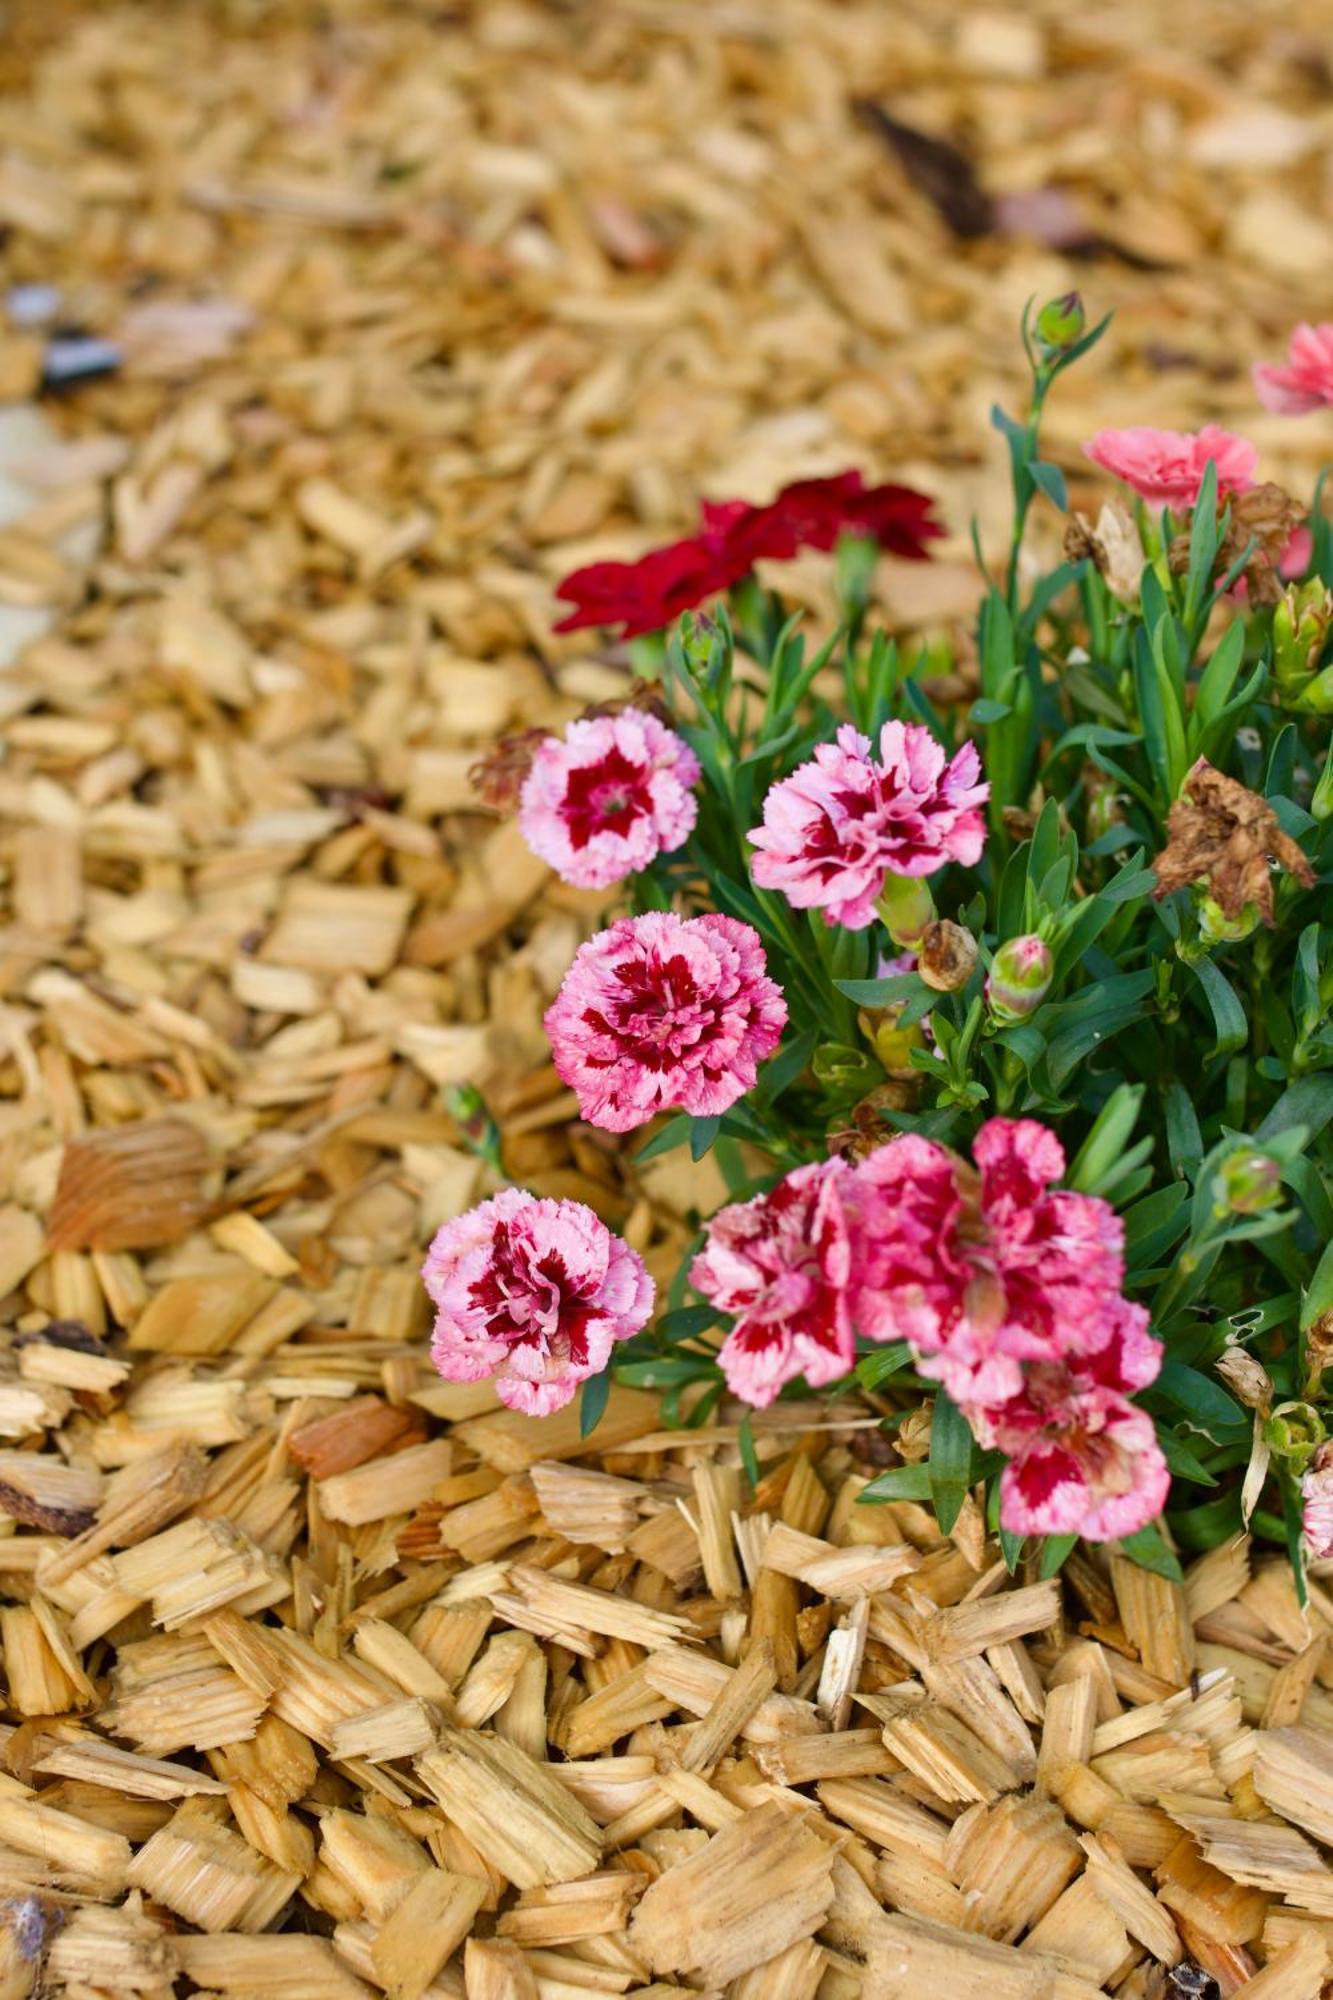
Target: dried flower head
column 1260, row 526
column 946, row 956
column 1225, row 836
column 497, row 778
column 1114, row 546
column 1317, row 1511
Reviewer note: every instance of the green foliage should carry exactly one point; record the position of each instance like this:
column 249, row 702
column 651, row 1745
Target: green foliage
column 1184, row 1055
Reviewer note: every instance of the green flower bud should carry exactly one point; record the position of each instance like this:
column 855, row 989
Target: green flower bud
column 1295, row 1432
column 1020, row 978
column 1216, row 927
column 905, row 907
column 1301, row 622
column 1247, row 1183
column 1059, row 324
column 1321, row 805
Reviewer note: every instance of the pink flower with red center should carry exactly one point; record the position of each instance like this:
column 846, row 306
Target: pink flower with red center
column 1082, row 1459
column 1306, row 383
column 780, row 1264
column 836, row 829
column 609, row 797
column 664, row 1011
column 1317, row 1510
column 982, row 1269
column 533, row 1295
column 1166, row 468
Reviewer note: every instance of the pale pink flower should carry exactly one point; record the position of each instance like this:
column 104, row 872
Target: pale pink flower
column 839, row 825
column 982, row 1269
column 1306, row 383
column 533, row 1295
column 609, row 797
column 780, row 1264
column 664, row 1011
column 1317, row 1494
column 1166, row 468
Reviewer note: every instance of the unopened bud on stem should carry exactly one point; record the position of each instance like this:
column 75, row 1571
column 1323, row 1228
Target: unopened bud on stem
column 1020, row 978
column 905, row 908
column 1060, row 323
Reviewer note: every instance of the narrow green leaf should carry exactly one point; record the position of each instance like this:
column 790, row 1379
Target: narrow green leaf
column 950, row 1460
column 1055, row 1553
column 1229, row 1018
column 674, row 1133
column 592, row 1402
column 1149, row 1551
column 900, row 1482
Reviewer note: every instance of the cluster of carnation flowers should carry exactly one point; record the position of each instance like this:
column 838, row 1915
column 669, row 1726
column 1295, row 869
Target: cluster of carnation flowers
column 1006, row 1288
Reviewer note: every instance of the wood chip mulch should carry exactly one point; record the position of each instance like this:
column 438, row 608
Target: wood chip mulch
column 323, row 1678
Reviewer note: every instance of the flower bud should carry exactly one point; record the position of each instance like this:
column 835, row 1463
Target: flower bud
column 1216, row 927
column 1020, row 978
column 905, row 907
column 1247, row 1183
column 1301, row 622
column 946, row 956
column 1060, row 323
column 1321, row 805
column 1295, row 1432
column 892, row 1045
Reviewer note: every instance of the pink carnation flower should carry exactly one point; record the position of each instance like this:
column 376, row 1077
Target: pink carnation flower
column 780, row 1263
column 1306, row 383
column 605, row 800
column 982, row 1270
column 1317, row 1493
column 1166, row 468
column 664, row 1011
column 1083, row 1460
column 839, row 825
column 534, row 1295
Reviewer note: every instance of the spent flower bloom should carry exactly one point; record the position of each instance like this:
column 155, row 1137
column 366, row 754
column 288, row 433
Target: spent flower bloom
column 662, row 1011
column 608, row 797
column 982, row 1269
column 1166, row 468
column 532, row 1294
column 1317, row 1498
column 780, row 1263
column 1306, row 382
column 844, row 822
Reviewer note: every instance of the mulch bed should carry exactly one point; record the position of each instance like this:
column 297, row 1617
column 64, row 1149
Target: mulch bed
column 323, row 1677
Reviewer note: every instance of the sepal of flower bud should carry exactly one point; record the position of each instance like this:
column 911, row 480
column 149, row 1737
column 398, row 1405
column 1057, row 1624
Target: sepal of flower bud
column 1060, row 323
column 1294, row 1432
column 1248, row 1182
column 905, row 907
column 946, row 956
column 1301, row 622
column 1020, row 978
column 1216, row 927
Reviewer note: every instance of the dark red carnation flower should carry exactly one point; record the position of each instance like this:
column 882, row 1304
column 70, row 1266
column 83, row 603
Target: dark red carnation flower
column 643, row 596
column 810, row 513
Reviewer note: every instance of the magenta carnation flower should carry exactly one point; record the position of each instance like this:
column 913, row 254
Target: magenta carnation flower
column 838, row 826
column 982, row 1269
column 1317, row 1495
column 534, row 1295
column 780, row 1264
column 1306, row 383
column 1166, row 468
column 664, row 1011
column 1083, row 1460
column 608, row 798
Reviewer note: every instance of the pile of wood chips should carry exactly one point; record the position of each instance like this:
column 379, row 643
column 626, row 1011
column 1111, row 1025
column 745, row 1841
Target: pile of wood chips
column 323, row 1678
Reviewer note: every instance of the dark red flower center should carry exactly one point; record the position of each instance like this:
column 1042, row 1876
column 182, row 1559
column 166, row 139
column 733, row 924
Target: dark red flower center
column 532, row 1302
column 608, row 796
